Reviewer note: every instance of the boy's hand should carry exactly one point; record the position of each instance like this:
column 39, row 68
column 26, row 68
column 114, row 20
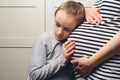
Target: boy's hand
column 68, row 48
column 92, row 15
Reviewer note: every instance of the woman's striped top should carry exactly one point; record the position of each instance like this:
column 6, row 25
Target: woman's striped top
column 90, row 38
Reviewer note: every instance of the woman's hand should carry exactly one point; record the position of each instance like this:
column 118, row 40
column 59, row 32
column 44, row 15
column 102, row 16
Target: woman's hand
column 83, row 65
column 92, row 15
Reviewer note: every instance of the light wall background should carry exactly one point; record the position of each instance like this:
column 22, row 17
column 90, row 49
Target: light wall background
column 21, row 22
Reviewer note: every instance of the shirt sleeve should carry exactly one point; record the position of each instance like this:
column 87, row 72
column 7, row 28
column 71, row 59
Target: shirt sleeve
column 39, row 68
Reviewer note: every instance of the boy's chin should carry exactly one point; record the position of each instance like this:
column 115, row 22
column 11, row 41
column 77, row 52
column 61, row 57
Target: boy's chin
column 63, row 40
column 59, row 39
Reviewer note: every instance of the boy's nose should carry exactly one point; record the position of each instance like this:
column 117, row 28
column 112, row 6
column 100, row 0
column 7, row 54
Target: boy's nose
column 60, row 31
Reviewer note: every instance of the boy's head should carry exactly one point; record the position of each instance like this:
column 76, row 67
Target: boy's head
column 67, row 17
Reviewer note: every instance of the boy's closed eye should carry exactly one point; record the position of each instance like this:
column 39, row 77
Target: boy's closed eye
column 65, row 28
column 57, row 24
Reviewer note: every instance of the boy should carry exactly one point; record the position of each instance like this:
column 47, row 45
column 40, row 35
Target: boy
column 50, row 56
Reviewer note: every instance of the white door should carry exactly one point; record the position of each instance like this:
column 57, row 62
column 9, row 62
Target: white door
column 20, row 22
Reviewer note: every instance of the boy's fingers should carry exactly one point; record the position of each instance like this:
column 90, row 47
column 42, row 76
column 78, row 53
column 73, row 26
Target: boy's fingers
column 70, row 47
column 71, row 44
column 68, row 39
column 71, row 53
column 67, row 42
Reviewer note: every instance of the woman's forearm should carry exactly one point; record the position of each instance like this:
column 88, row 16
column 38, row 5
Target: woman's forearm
column 107, row 51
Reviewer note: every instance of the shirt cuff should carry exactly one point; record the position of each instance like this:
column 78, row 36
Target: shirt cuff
column 63, row 60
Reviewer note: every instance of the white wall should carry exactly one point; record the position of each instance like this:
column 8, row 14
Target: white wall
column 21, row 21
column 14, row 63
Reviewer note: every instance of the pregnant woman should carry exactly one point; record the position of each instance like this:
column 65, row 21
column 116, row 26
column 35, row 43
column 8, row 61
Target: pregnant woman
column 96, row 56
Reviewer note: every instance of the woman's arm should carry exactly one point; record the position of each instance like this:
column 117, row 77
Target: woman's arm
column 107, row 51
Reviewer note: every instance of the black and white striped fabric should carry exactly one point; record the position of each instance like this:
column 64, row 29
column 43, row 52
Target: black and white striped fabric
column 90, row 38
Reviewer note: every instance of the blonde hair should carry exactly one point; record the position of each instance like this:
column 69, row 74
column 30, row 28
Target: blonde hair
column 73, row 8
